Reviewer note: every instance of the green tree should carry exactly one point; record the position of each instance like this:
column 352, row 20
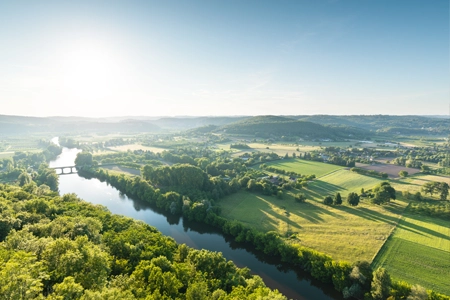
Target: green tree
column 68, row 289
column 300, row 197
column 429, row 187
column 403, row 173
column 85, row 261
column 328, row 200
column 381, row 284
column 418, row 196
column 198, row 291
column 52, row 180
column 84, row 159
column 251, row 184
column 353, row 199
column 146, row 172
column 20, row 276
column 24, row 179
column 443, row 190
column 337, row 199
column 384, row 192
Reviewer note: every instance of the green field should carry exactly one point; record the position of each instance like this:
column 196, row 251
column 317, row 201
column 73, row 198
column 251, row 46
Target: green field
column 414, row 183
column 133, row 147
column 342, row 181
column 343, row 232
column 304, row 167
column 418, row 252
column 124, row 170
column 6, row 154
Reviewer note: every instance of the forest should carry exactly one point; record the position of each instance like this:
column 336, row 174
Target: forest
column 290, row 194
column 57, row 247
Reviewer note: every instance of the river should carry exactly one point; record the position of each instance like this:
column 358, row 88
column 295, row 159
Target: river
column 199, row 236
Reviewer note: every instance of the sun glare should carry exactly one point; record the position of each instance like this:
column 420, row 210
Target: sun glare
column 90, row 70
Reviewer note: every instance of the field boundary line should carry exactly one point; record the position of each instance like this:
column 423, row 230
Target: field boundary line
column 334, row 171
column 390, row 233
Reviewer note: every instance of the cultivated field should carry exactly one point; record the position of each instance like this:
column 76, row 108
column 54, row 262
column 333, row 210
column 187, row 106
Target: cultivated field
column 419, row 252
column 414, row 184
column 304, row 167
column 342, row 181
column 343, row 232
column 133, row 147
column 391, row 170
column 6, row 154
column 27, row 144
column 124, row 170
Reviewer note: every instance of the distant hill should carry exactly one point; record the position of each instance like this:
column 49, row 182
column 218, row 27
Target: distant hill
column 29, row 125
column 194, row 122
column 321, row 126
column 202, row 130
column 267, row 126
column 384, row 123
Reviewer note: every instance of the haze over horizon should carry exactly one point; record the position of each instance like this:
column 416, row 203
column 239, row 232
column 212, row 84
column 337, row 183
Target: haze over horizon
column 204, row 58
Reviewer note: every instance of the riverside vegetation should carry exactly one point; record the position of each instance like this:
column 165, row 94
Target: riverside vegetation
column 285, row 194
column 165, row 187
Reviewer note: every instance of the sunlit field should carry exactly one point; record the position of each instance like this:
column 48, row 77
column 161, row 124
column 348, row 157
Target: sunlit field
column 419, row 252
column 133, row 147
column 342, row 181
column 343, row 232
column 124, row 170
column 304, row 167
column 414, row 183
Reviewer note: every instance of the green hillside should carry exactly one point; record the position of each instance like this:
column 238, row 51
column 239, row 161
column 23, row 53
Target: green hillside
column 267, row 126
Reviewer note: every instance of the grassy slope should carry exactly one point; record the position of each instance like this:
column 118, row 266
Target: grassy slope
column 419, row 252
column 304, row 167
column 342, row 181
column 133, row 147
column 414, row 183
column 345, row 233
column 120, row 169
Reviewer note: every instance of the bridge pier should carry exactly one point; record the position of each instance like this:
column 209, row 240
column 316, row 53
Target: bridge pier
column 70, row 170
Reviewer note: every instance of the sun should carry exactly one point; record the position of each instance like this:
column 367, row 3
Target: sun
column 90, row 69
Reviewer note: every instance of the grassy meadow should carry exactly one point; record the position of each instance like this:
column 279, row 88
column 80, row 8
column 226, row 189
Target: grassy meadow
column 343, row 232
column 342, row 181
column 304, row 167
column 412, row 248
column 414, row 183
column 133, row 147
column 124, row 170
column 419, row 252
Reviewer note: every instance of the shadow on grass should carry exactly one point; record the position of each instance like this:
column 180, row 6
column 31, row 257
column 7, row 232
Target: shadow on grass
column 403, row 224
column 281, row 218
column 326, row 187
column 313, row 213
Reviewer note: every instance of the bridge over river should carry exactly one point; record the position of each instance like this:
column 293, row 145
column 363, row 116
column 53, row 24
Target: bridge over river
column 64, row 170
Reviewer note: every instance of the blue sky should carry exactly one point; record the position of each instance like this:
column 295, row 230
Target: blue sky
column 111, row 58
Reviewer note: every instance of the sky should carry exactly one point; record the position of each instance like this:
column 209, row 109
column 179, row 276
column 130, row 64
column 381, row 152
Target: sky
column 208, row 57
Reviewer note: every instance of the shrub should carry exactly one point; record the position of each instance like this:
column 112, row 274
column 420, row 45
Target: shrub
column 328, row 200
column 301, row 198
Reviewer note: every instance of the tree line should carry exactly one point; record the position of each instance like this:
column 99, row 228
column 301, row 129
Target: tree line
column 353, row 280
column 54, row 247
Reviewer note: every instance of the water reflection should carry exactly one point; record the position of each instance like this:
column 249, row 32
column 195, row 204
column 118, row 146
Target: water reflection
column 276, row 275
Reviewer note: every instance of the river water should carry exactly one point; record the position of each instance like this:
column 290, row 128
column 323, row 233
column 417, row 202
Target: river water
column 199, row 236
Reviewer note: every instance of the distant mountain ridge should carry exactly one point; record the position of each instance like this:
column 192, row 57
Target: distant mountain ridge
column 385, row 123
column 266, row 126
column 317, row 125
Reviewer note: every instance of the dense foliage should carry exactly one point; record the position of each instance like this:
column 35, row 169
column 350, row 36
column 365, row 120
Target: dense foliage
column 369, row 172
column 352, row 280
column 437, row 209
column 56, row 247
